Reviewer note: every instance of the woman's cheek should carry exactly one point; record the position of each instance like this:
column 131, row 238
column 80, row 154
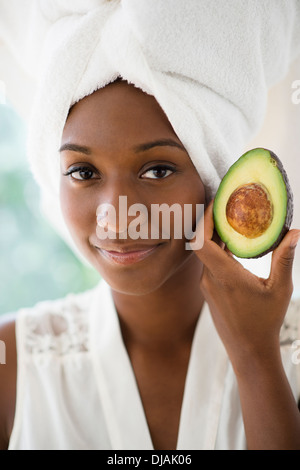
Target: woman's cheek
column 78, row 211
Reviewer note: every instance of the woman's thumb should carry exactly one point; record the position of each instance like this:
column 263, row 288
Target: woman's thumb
column 283, row 257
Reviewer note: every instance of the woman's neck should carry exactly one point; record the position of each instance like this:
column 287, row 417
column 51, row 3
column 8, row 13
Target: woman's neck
column 166, row 317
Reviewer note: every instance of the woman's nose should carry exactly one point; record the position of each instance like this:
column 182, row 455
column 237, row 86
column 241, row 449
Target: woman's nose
column 111, row 218
column 116, row 218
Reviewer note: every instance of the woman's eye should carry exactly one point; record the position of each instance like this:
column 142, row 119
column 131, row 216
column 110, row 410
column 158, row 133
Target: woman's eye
column 81, row 174
column 158, row 172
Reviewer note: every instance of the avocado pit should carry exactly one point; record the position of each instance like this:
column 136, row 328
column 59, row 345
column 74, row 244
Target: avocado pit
column 249, row 210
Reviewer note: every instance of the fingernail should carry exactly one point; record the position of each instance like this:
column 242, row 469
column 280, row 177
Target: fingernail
column 295, row 240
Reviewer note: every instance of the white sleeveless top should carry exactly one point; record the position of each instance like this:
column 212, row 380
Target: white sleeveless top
column 76, row 388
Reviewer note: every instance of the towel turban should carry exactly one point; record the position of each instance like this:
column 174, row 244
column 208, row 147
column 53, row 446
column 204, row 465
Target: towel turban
column 208, row 63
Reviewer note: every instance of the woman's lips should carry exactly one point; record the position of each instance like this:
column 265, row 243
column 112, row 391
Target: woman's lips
column 128, row 257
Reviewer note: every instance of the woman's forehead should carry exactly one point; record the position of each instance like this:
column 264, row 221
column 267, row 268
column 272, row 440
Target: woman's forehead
column 121, row 125
column 115, row 113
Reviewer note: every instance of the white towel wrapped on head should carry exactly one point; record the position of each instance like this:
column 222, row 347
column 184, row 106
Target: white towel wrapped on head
column 209, row 65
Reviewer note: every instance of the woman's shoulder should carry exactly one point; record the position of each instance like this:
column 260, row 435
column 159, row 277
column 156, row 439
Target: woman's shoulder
column 8, row 374
column 58, row 326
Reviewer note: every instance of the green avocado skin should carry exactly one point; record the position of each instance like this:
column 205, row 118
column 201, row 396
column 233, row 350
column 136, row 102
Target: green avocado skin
column 289, row 209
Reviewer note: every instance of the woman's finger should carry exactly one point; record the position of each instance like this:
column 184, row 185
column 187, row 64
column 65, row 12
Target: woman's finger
column 210, row 251
column 283, row 257
column 229, row 253
column 217, row 240
column 204, row 229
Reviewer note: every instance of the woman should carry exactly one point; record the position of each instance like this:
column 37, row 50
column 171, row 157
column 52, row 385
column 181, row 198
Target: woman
column 118, row 141
column 175, row 348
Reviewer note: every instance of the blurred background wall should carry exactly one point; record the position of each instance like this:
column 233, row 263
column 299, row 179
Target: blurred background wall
column 281, row 133
column 35, row 264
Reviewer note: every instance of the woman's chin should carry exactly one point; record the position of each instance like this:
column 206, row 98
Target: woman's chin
column 144, row 275
column 134, row 285
column 148, row 281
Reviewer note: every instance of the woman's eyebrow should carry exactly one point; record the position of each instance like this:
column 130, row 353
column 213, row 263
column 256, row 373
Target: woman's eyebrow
column 75, row 148
column 138, row 148
column 158, row 143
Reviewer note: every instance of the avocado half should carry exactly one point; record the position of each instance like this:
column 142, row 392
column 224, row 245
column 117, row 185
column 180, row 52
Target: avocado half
column 253, row 207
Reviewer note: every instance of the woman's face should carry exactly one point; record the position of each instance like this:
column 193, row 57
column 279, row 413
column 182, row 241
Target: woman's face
column 118, row 142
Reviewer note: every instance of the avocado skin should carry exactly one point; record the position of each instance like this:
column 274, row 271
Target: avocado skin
column 289, row 209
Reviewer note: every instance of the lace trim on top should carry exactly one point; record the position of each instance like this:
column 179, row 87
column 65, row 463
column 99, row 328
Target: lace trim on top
column 58, row 328
column 61, row 327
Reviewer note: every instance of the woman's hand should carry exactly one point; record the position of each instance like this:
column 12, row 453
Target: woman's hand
column 248, row 311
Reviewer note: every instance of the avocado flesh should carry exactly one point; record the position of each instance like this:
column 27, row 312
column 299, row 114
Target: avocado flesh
column 257, row 169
